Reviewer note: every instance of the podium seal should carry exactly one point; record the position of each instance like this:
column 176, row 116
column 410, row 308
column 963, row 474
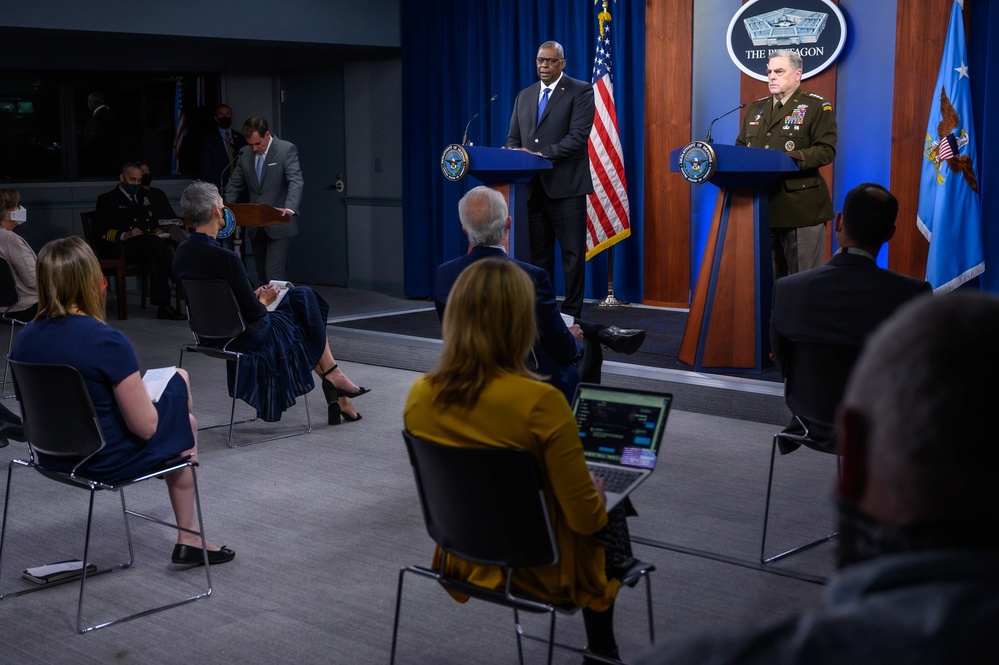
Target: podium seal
column 697, row 162
column 454, row 162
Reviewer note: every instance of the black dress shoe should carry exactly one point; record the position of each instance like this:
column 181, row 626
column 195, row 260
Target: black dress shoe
column 170, row 313
column 621, row 340
column 190, row 555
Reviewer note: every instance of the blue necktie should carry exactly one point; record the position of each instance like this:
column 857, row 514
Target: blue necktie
column 543, row 103
column 260, row 167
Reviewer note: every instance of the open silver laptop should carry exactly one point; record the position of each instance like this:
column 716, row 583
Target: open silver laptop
column 621, row 430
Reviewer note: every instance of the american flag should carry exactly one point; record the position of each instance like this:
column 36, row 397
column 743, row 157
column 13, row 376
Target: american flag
column 180, row 126
column 607, row 211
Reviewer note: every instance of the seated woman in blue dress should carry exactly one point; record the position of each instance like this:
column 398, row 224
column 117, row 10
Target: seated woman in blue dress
column 282, row 347
column 139, row 435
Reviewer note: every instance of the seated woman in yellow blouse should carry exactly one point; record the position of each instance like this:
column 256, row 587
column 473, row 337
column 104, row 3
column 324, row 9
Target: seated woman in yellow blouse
column 482, row 395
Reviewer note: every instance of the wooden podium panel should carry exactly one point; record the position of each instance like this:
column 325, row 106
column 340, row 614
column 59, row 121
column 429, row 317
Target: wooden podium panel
column 729, row 307
column 256, row 214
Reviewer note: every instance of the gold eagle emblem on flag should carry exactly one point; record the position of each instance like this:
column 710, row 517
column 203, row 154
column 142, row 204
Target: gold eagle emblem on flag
column 946, row 148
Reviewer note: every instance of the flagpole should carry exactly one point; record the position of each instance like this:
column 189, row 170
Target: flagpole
column 610, row 300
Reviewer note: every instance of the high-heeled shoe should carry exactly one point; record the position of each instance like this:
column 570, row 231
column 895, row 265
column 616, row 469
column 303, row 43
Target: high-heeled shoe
column 328, row 386
column 334, row 413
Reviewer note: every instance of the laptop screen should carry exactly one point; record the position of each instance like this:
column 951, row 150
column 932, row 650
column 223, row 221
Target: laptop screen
column 619, row 425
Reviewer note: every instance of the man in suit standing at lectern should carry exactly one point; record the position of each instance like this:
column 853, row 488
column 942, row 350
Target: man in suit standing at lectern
column 268, row 170
column 552, row 118
column 803, row 125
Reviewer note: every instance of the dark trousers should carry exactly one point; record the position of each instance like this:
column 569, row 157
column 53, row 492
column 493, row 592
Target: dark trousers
column 155, row 254
column 563, row 219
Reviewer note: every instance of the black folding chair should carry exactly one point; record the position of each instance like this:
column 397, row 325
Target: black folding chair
column 8, row 298
column 815, row 377
column 487, row 506
column 60, row 421
column 216, row 322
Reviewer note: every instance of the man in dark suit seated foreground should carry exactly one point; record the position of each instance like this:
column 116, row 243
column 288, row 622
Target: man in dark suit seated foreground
column 485, row 220
column 843, row 301
column 918, row 509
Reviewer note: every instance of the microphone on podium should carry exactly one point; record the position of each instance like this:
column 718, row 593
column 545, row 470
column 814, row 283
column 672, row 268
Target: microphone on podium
column 464, row 137
column 222, row 175
column 707, row 139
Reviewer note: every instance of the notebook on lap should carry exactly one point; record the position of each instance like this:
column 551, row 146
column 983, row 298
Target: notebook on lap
column 621, row 430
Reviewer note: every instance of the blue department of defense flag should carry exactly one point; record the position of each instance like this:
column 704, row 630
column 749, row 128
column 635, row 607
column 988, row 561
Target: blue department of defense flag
column 950, row 213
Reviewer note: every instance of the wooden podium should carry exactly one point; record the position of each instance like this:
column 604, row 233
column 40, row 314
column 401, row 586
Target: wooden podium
column 256, row 214
column 728, row 325
column 508, row 172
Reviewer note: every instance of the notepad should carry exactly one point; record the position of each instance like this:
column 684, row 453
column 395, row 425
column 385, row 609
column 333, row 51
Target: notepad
column 156, row 381
column 283, row 288
column 55, row 572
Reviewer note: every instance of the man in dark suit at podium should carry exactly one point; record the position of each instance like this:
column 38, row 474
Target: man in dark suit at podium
column 803, row 125
column 485, row 220
column 553, row 118
column 267, row 170
column 843, row 301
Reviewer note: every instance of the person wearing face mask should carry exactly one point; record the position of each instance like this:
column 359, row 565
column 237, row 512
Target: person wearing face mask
column 15, row 251
column 125, row 216
column 219, row 147
column 162, row 210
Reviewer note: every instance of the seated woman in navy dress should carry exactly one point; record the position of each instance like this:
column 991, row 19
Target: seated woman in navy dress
column 282, row 347
column 139, row 435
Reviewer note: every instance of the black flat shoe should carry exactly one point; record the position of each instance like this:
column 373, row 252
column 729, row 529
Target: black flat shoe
column 190, row 555
column 169, row 313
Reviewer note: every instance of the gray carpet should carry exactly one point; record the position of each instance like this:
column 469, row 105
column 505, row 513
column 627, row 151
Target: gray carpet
column 321, row 524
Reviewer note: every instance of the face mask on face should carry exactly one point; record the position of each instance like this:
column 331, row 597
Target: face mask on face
column 131, row 190
column 20, row 215
column 224, row 122
column 147, row 179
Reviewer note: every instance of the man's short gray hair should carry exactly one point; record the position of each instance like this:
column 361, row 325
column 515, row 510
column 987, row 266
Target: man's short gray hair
column 793, row 57
column 198, row 202
column 555, row 45
column 483, row 214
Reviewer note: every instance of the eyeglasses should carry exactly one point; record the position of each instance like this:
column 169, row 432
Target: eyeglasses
column 550, row 61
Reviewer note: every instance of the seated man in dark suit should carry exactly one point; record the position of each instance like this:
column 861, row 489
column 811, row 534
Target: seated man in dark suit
column 919, row 516
column 484, row 219
column 125, row 216
column 844, row 300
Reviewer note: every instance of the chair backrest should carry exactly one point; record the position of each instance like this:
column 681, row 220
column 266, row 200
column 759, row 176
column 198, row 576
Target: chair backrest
column 484, row 505
column 8, row 287
column 212, row 310
column 59, row 417
column 87, row 220
column 815, row 378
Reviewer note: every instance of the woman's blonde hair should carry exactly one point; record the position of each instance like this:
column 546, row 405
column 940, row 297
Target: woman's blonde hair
column 69, row 276
column 488, row 329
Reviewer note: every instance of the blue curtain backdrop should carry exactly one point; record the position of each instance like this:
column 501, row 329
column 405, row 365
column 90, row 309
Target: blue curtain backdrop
column 456, row 54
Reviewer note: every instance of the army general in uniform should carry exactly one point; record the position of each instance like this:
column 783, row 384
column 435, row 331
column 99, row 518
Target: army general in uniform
column 803, row 125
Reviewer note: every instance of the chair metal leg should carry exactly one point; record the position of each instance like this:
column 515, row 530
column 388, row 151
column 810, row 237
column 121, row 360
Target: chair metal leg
column 6, row 366
column 764, row 559
column 398, row 608
column 233, row 422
